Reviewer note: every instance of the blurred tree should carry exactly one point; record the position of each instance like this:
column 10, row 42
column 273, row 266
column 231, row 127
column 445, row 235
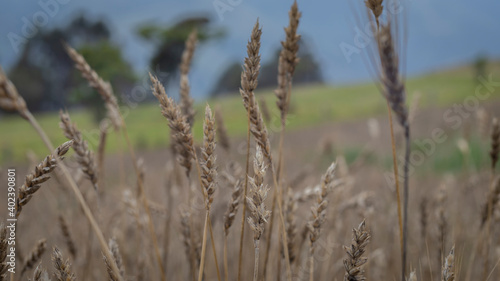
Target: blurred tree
column 169, row 42
column 45, row 75
column 308, row 71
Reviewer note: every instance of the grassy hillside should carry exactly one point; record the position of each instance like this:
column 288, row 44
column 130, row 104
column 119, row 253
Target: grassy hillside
column 311, row 105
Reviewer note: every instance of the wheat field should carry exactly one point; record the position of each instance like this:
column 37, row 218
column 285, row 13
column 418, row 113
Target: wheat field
column 270, row 205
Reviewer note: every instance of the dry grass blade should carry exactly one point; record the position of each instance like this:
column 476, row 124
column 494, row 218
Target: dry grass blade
column 101, row 86
column 448, row 272
column 62, row 267
column 186, row 103
column 10, row 100
column 40, row 175
column 181, row 131
column 222, row 136
column 495, row 143
column 355, row 260
column 35, row 255
column 84, row 156
column 67, row 236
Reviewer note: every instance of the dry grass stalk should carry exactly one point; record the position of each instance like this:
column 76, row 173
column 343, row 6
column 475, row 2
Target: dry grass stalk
column 448, row 271
column 35, row 255
column 62, row 267
column 319, row 215
column 413, row 276
column 181, row 131
column 101, row 148
column 229, row 216
column 208, row 177
column 291, row 225
column 67, row 236
column 186, row 103
column 222, row 136
column 102, row 87
column 40, row 175
column 84, row 156
column 423, row 219
column 376, row 7
column 442, row 222
column 288, row 60
column 258, row 212
column 495, row 143
column 249, row 83
column 355, row 260
column 190, row 249
column 10, row 100
column 208, row 168
column 395, row 94
column 115, row 252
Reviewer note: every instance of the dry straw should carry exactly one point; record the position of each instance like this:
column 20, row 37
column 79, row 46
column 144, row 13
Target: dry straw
column 115, row 252
column 10, row 100
column 84, row 156
column 40, row 175
column 355, row 260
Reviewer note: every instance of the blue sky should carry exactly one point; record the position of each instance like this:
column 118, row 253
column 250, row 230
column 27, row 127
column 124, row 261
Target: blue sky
column 441, row 33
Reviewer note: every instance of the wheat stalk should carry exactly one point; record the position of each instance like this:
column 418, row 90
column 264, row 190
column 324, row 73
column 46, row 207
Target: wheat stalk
column 318, row 215
column 208, row 176
column 186, row 103
column 67, row 236
column 10, row 100
column 102, row 87
column 222, row 136
column 376, row 7
column 63, row 270
column 181, row 130
column 229, row 216
column 495, row 143
column 448, row 271
column 115, row 252
column 39, row 274
column 25, row 113
column 355, row 260
column 258, row 212
column 35, row 255
column 395, row 94
column 84, row 156
column 40, row 175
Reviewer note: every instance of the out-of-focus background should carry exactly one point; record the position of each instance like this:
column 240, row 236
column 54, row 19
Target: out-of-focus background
column 450, row 44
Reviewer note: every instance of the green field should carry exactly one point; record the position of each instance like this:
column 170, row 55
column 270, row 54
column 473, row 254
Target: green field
column 311, row 105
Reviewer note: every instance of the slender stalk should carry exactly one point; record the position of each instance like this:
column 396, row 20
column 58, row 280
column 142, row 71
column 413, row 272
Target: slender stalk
column 243, row 212
column 226, row 270
column 203, row 248
column 406, row 198
column 213, row 248
column 311, row 265
column 396, row 178
column 78, row 194
column 256, row 264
